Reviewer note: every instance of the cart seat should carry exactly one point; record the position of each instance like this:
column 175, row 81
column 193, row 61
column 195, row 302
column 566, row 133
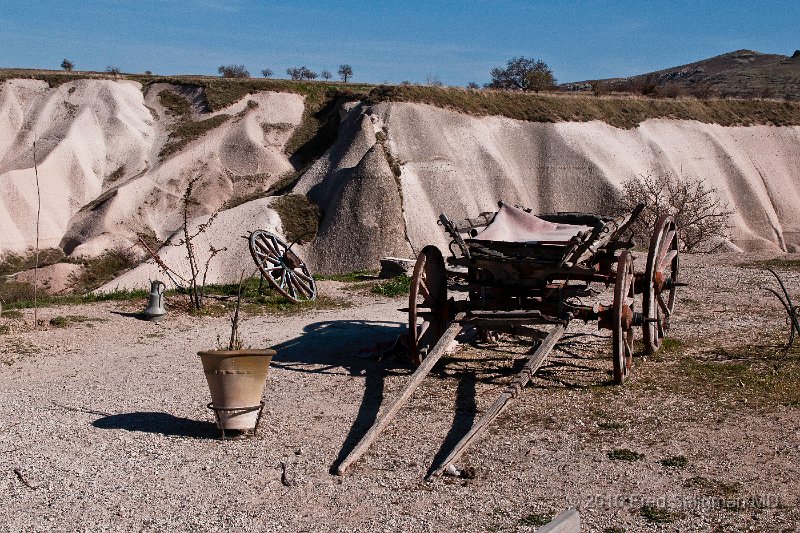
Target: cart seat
column 512, row 224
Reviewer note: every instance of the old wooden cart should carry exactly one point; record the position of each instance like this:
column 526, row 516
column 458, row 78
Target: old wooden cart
column 513, row 272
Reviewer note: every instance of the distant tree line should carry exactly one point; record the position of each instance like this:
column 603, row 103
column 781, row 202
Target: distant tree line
column 296, row 73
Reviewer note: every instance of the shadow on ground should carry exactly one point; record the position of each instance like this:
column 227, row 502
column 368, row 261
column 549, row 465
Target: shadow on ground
column 163, row 423
column 355, row 346
column 138, row 316
column 352, row 346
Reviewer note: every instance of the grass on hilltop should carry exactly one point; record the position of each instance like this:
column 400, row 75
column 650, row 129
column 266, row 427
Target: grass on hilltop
column 623, row 111
column 620, row 111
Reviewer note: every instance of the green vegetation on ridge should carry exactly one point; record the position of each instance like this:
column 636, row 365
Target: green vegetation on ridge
column 617, row 110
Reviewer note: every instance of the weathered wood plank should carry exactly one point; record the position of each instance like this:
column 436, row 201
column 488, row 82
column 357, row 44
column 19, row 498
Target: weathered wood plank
column 511, row 391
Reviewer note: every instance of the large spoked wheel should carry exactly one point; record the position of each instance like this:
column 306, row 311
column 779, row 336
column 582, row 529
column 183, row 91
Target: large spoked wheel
column 661, row 278
column 622, row 318
column 281, row 267
column 427, row 303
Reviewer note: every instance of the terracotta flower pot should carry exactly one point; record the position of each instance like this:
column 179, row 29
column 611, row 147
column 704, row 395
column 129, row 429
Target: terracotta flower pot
column 236, row 379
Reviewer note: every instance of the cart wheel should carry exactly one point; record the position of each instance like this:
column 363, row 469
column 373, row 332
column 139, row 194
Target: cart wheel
column 661, row 277
column 427, row 303
column 281, row 267
column 622, row 317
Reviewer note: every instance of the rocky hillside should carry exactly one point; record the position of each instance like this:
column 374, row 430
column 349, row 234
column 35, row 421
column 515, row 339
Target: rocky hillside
column 115, row 157
column 743, row 74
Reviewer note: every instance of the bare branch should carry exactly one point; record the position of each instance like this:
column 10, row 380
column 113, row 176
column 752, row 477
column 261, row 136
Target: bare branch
column 703, row 219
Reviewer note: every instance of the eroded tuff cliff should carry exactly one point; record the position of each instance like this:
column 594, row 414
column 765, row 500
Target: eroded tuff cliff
column 114, row 161
column 462, row 165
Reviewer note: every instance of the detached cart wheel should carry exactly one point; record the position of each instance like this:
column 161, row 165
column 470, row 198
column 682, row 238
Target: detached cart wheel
column 427, row 303
column 281, row 267
column 622, row 318
column 661, row 278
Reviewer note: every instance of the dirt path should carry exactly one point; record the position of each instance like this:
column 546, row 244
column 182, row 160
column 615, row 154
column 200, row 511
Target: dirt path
column 103, row 425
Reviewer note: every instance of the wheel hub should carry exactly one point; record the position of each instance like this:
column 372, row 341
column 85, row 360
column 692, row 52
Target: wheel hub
column 627, row 318
column 659, row 280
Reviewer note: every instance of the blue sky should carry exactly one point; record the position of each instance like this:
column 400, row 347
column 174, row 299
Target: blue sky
column 455, row 41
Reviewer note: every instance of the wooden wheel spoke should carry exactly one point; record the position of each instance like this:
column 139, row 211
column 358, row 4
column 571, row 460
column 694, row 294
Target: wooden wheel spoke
column 302, row 275
column 302, row 285
column 303, row 289
column 628, row 343
column 423, row 291
column 263, row 249
column 267, row 245
column 423, row 328
column 663, row 305
column 669, row 237
column 274, row 262
column 667, row 259
column 290, row 284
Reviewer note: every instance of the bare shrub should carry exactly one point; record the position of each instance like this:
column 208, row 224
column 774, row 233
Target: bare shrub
column 673, row 90
column 600, row 88
column 647, row 86
column 704, row 91
column 703, row 219
column 765, row 92
column 195, row 283
column 301, row 73
column 233, row 71
column 433, row 80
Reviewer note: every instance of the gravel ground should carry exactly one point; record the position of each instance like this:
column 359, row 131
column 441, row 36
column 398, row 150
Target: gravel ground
column 103, row 424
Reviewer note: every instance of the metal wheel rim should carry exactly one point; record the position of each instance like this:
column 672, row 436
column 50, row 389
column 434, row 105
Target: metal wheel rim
column 663, row 262
column 427, row 303
column 271, row 256
column 622, row 327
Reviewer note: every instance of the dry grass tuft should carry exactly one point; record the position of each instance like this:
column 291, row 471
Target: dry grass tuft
column 299, row 217
column 187, row 131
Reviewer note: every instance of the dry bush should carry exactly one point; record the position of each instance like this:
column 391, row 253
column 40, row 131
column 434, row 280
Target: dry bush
column 674, row 90
column 195, row 284
column 233, row 71
column 600, row 88
column 703, row 219
column 104, row 268
column 704, row 91
column 12, row 262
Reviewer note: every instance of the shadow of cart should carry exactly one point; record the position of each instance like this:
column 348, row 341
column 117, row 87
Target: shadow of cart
column 353, row 345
